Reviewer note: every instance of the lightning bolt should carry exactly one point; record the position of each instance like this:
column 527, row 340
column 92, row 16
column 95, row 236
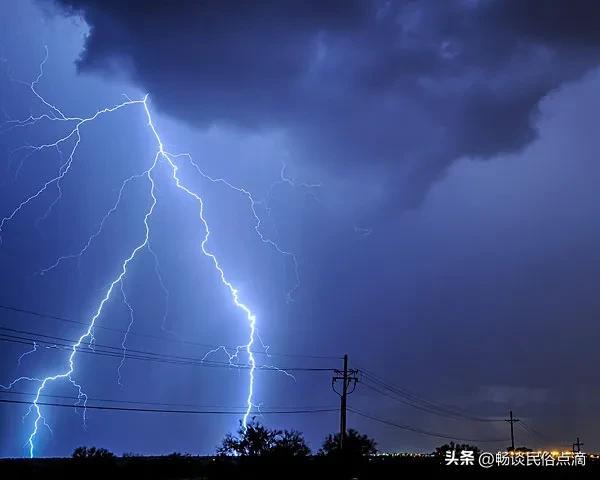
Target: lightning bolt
column 75, row 132
column 68, row 373
column 164, row 289
column 59, row 192
column 257, row 220
column 129, row 325
column 285, row 179
column 234, row 294
column 35, row 347
column 170, row 161
column 98, row 230
column 28, row 352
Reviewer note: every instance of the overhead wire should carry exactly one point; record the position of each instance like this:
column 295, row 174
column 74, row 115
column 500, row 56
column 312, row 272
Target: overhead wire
column 422, row 431
column 61, row 343
column 160, row 338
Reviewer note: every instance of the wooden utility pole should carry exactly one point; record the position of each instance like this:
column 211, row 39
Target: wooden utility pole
column 348, row 378
column 512, row 421
column 577, row 446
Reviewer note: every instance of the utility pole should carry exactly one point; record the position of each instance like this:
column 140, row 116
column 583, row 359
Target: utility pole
column 348, row 378
column 577, row 445
column 512, row 420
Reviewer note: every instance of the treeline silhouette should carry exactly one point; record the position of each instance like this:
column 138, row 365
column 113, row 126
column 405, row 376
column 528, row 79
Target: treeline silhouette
column 256, row 440
column 259, row 452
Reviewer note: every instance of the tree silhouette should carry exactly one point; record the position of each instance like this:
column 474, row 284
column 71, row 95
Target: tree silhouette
column 290, row 443
column 355, row 445
column 257, row 440
column 93, row 453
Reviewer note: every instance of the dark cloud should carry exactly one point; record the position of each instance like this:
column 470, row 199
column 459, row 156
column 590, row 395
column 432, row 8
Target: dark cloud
column 403, row 86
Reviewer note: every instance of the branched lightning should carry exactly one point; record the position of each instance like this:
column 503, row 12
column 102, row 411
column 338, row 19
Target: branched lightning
column 19, row 380
column 35, row 347
column 250, row 316
column 98, row 230
column 257, row 221
column 170, row 161
column 126, row 334
column 68, row 373
column 56, row 111
column 75, row 132
column 28, row 352
column 285, row 179
column 163, row 287
column 59, row 191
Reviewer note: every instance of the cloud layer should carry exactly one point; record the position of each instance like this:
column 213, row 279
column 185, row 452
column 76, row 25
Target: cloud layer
column 399, row 87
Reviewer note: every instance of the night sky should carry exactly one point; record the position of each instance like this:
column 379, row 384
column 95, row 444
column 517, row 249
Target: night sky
column 440, row 196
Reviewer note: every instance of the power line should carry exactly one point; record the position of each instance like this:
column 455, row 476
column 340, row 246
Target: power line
column 205, row 364
column 422, row 407
column 405, row 401
column 424, row 432
column 129, row 356
column 156, row 337
column 39, row 336
column 169, row 411
column 402, row 400
column 532, row 431
column 443, row 409
column 373, row 380
column 420, row 403
column 527, row 429
column 117, row 352
column 160, row 404
column 402, row 392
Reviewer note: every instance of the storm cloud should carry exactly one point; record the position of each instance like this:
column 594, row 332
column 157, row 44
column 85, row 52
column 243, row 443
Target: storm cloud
column 399, row 87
